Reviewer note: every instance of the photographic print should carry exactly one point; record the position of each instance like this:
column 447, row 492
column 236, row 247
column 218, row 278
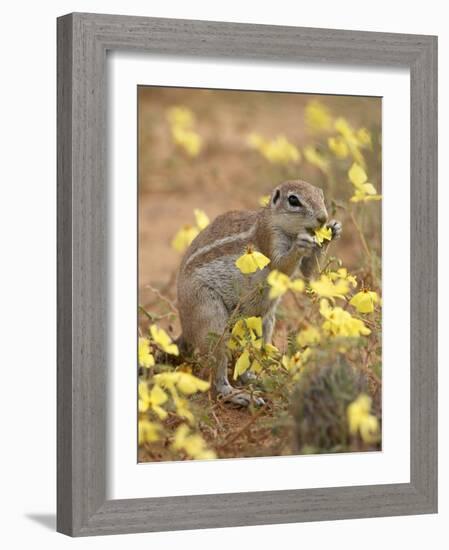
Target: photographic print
column 259, row 274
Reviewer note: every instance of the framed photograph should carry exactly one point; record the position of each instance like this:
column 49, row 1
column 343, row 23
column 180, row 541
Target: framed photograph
column 247, row 274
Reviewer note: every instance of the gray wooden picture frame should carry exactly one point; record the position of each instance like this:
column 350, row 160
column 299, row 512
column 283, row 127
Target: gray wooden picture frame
column 83, row 41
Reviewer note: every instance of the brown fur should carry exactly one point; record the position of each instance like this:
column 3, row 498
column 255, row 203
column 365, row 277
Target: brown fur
column 210, row 285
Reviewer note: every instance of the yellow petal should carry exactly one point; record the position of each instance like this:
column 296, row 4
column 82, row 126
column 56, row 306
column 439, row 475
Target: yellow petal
column 369, row 429
column 338, row 146
column 202, row 221
column 188, row 140
column 317, row 116
column 162, row 414
column 184, row 237
column 148, row 431
column 144, row 392
column 279, row 283
column 270, row 350
column 325, row 288
column 323, row 234
column 297, row 285
column 146, row 358
column 264, row 200
column 143, row 406
column 313, row 156
column 251, row 261
column 256, row 366
column 188, row 383
column 357, row 175
column 357, row 410
column 364, row 137
column 255, row 326
column 163, row 340
column 364, row 301
column 180, row 116
column 192, row 443
column 308, row 337
column 242, row 364
column 260, row 259
column 157, row 395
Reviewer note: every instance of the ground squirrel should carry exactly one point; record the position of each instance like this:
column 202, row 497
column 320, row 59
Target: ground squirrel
column 210, row 286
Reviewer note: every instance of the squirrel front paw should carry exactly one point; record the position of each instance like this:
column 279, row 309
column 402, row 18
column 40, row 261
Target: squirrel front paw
column 306, row 242
column 336, row 228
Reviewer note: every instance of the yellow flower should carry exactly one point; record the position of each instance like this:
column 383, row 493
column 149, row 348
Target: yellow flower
column 326, row 288
column 180, row 116
column 202, row 221
column 280, row 283
column 364, row 191
column 188, row 232
column 163, row 340
column 281, row 151
column 148, row 431
column 364, row 301
column 340, row 323
column 152, row 399
column 242, row 364
column 184, row 237
column 277, row 151
column 181, row 122
column 338, row 146
column 193, row 444
column 146, row 358
column 348, row 134
column 357, row 175
column 186, row 383
column 188, row 140
column 189, row 384
column 345, row 129
column 317, row 116
column 368, row 193
column 309, row 336
column 316, row 158
column 364, row 137
column 294, row 363
column 361, row 421
column 251, row 261
column 323, row 234
column 342, row 273
column 268, row 350
column 264, row 200
column 246, row 330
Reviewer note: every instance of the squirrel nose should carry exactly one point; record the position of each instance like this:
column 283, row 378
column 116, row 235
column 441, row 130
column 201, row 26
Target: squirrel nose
column 322, row 217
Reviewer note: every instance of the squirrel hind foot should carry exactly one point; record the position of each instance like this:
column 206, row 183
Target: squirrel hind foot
column 238, row 398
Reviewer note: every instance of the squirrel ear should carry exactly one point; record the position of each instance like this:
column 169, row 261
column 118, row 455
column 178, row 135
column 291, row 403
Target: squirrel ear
column 276, row 196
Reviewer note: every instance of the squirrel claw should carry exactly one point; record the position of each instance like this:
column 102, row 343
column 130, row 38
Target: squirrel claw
column 336, row 228
column 306, row 242
column 238, row 398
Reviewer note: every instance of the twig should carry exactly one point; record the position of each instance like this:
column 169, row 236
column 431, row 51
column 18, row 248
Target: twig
column 154, row 318
column 245, row 427
column 158, row 293
column 165, row 287
column 361, row 235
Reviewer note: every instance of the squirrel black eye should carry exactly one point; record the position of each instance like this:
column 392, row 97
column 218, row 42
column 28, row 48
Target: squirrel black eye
column 294, row 201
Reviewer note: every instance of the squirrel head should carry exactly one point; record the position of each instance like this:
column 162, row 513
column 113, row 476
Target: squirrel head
column 296, row 206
